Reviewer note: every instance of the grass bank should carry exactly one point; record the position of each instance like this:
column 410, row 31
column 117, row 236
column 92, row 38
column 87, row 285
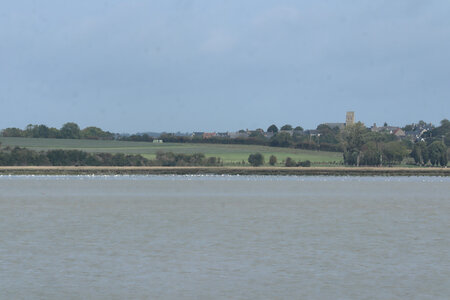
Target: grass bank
column 331, row 171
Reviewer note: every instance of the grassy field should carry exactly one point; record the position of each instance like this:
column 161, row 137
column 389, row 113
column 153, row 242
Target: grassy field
column 231, row 154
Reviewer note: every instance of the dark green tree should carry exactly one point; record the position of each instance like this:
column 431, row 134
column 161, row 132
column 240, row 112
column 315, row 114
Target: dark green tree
column 70, row 130
column 95, row 133
column 305, row 163
column 327, row 134
column 286, row 127
column 272, row 160
column 416, row 153
column 12, row 132
column 353, row 137
column 438, row 153
column 441, row 133
column 394, row 152
column 256, row 159
column 272, row 128
column 42, row 131
column 371, row 154
column 256, row 134
column 282, row 139
column 408, row 128
column 420, row 153
column 290, row 162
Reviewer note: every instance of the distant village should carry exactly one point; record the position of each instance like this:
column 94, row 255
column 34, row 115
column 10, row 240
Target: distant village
column 413, row 132
column 424, row 143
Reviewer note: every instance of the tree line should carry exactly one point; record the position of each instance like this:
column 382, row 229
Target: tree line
column 434, row 153
column 69, row 130
column 257, row 159
column 25, row 157
column 363, row 147
column 359, row 145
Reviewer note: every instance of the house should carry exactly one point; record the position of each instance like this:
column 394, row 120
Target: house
column 399, row 133
column 388, row 129
column 415, row 135
column 239, row 134
column 158, row 141
column 197, row 134
column 222, row 134
column 208, row 135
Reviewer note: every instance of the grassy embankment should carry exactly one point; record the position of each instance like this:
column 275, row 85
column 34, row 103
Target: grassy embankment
column 232, row 155
column 331, row 171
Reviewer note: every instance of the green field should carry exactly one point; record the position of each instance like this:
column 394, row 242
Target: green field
column 230, row 154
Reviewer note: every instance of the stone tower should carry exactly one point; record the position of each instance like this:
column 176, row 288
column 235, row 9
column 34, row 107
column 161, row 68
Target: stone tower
column 350, row 118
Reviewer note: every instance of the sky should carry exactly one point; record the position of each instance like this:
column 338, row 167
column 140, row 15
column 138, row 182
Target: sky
column 222, row 65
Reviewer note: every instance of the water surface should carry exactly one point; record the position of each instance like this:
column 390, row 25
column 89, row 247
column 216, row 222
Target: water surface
column 240, row 237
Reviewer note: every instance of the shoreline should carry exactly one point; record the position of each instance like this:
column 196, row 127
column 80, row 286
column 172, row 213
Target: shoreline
column 284, row 171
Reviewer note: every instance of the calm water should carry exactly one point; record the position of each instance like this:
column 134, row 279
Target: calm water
column 171, row 237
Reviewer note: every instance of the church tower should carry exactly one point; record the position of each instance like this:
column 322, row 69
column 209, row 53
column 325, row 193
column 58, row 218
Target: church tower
column 350, row 118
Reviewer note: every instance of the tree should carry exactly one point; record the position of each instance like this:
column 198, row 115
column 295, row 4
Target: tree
column 290, row 162
column 272, row 160
column 286, row 127
column 353, row 141
column 70, row 130
column 95, row 133
column 256, row 159
column 282, row 139
column 442, row 132
column 420, row 153
column 298, row 128
column 370, row 154
column 305, row 163
column 327, row 134
column 12, row 132
column 272, row 128
column 444, row 159
column 256, row 134
column 394, row 152
column 408, row 128
column 424, row 152
column 416, row 154
column 438, row 153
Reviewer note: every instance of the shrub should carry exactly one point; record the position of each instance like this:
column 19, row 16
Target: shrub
column 305, row 163
column 272, row 160
column 256, row 159
column 290, row 162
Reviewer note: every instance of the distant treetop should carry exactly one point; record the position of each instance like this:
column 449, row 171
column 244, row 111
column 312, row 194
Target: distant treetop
column 286, row 127
column 272, row 128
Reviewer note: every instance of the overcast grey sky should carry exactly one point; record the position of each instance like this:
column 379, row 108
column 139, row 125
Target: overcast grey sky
column 186, row 65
